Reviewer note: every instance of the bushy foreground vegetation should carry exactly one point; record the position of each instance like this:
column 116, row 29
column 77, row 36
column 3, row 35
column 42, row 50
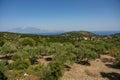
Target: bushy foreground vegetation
column 21, row 54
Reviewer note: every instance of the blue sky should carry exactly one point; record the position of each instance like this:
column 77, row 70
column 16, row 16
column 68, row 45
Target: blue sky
column 90, row 15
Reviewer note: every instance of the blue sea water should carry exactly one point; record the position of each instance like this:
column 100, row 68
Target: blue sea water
column 105, row 32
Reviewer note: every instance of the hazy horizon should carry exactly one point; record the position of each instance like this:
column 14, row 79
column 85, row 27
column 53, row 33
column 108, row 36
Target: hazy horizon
column 60, row 15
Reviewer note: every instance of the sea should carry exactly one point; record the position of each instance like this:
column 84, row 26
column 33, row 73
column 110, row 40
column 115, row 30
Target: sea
column 105, row 32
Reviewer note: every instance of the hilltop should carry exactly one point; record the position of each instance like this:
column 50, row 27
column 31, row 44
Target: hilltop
column 78, row 33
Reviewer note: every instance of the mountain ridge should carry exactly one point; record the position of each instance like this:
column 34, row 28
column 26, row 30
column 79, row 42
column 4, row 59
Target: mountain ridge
column 33, row 30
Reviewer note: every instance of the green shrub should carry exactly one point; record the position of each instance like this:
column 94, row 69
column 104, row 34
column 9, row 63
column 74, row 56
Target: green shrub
column 2, row 69
column 55, row 68
column 91, row 54
column 20, row 64
column 33, row 51
column 2, row 76
column 84, row 53
column 3, row 64
column 20, row 55
column 26, row 41
column 79, row 55
column 53, row 72
column 99, row 47
column 1, row 43
column 16, row 57
column 36, row 69
column 114, row 51
column 117, row 63
column 33, row 59
column 15, row 74
column 8, row 48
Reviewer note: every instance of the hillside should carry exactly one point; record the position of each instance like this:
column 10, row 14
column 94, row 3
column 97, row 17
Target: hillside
column 64, row 37
column 78, row 33
column 71, row 55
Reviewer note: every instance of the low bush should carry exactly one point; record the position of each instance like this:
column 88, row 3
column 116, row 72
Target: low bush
column 33, row 59
column 8, row 48
column 114, row 51
column 2, row 69
column 2, row 76
column 20, row 64
column 117, row 63
column 36, row 70
column 1, row 43
column 53, row 72
column 84, row 54
column 16, row 57
column 26, row 41
column 3, row 65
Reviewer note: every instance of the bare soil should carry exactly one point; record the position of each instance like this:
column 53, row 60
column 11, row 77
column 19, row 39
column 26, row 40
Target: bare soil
column 100, row 69
column 45, row 60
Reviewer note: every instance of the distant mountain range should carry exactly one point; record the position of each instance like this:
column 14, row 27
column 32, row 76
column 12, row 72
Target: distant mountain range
column 26, row 30
column 34, row 31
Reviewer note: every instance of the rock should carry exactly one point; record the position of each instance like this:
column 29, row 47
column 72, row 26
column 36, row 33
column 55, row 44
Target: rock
column 25, row 74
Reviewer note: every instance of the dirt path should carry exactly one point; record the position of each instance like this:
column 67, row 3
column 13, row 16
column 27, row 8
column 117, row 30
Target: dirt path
column 96, row 71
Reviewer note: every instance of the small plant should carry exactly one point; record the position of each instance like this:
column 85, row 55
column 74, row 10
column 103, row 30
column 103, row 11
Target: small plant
column 1, row 42
column 2, row 76
column 84, row 53
column 26, row 41
column 8, row 48
column 3, row 64
column 16, row 57
column 20, row 64
column 33, row 59
column 53, row 72
column 117, row 63
column 2, row 69
column 114, row 51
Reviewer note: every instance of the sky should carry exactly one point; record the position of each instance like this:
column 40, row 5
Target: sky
column 67, row 15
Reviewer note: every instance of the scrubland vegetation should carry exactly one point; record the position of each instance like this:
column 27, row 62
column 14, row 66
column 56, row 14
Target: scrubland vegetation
column 21, row 55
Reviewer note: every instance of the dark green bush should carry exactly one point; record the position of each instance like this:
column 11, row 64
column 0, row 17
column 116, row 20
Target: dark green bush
column 26, row 41
column 114, row 51
column 2, row 76
column 117, row 63
column 8, row 48
column 20, row 64
column 33, row 59
column 3, row 64
column 16, row 57
column 54, row 71
column 1, row 43
column 78, row 55
column 84, row 54
column 91, row 54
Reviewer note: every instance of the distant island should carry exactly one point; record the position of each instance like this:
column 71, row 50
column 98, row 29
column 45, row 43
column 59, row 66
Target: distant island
column 32, row 30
